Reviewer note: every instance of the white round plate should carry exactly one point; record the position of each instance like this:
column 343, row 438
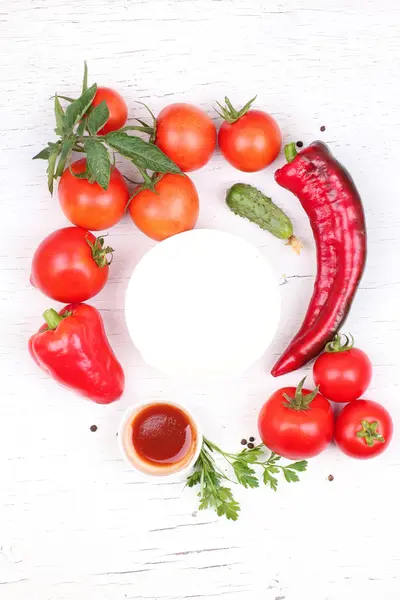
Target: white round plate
column 203, row 303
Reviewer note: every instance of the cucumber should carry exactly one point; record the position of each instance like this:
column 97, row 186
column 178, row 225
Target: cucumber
column 248, row 202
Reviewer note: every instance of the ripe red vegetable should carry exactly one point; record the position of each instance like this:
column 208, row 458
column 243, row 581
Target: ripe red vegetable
column 333, row 205
column 116, row 107
column 250, row 140
column 71, row 265
column 172, row 208
column 363, row 429
column 296, row 423
column 186, row 135
column 72, row 347
column 88, row 205
column 342, row 372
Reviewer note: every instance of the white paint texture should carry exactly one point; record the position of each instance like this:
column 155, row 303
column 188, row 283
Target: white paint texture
column 74, row 521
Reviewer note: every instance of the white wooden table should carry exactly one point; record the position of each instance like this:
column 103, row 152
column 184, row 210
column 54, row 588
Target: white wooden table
column 75, row 522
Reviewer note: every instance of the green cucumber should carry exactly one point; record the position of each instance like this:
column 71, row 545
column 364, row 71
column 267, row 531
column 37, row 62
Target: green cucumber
column 248, row 202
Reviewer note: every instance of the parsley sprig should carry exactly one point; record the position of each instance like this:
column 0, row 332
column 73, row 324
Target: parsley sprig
column 208, row 475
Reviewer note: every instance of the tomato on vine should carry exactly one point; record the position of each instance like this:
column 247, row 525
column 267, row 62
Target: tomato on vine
column 186, row 135
column 87, row 204
column 117, row 109
column 170, row 208
column 342, row 372
column 363, row 429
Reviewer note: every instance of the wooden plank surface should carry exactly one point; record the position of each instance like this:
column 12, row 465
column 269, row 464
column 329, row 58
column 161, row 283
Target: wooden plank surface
column 74, row 521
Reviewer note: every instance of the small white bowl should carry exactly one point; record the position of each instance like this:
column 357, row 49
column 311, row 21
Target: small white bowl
column 131, row 457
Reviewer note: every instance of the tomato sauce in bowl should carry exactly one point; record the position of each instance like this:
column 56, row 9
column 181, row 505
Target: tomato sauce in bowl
column 160, row 438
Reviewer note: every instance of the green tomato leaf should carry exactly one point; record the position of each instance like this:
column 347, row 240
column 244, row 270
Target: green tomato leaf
column 143, row 154
column 85, row 77
column 80, row 130
column 59, row 114
column 55, row 149
column 83, row 175
column 67, row 98
column 98, row 117
column 98, row 162
column 76, row 110
column 44, row 154
column 66, row 149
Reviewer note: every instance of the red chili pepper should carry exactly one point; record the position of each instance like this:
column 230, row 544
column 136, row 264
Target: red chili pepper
column 333, row 205
column 73, row 348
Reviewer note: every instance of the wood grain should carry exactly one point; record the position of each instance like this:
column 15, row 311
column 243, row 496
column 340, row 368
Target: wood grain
column 74, row 521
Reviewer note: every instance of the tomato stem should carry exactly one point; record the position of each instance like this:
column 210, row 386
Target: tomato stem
column 229, row 113
column 336, row 344
column 99, row 252
column 300, row 401
column 369, row 432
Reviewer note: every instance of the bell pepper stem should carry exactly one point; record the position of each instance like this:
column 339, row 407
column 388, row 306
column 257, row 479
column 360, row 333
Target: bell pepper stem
column 52, row 318
column 290, row 151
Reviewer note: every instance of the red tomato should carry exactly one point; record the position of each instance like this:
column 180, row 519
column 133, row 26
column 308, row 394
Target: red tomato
column 252, row 142
column 342, row 372
column 173, row 208
column 363, row 429
column 86, row 204
column 296, row 423
column 70, row 265
column 187, row 135
column 116, row 107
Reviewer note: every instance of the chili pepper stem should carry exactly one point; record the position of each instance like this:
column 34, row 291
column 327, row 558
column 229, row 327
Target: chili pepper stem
column 290, row 151
column 295, row 244
column 52, row 318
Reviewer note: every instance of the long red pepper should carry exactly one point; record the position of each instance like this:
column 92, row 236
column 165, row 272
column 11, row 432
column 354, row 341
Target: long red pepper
column 333, row 205
column 73, row 348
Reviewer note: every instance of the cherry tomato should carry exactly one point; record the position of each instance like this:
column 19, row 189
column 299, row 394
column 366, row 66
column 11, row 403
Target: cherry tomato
column 171, row 209
column 187, row 135
column 250, row 140
column 296, row 423
column 342, row 372
column 116, row 107
column 86, row 204
column 363, row 429
column 70, row 265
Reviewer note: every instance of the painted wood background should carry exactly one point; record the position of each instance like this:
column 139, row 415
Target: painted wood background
column 75, row 522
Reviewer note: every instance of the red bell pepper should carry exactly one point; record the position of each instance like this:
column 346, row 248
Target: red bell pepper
column 73, row 348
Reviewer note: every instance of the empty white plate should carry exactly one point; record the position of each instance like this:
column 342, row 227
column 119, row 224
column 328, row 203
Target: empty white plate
column 202, row 303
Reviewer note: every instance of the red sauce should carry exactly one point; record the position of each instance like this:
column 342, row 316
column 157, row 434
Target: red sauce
column 162, row 434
